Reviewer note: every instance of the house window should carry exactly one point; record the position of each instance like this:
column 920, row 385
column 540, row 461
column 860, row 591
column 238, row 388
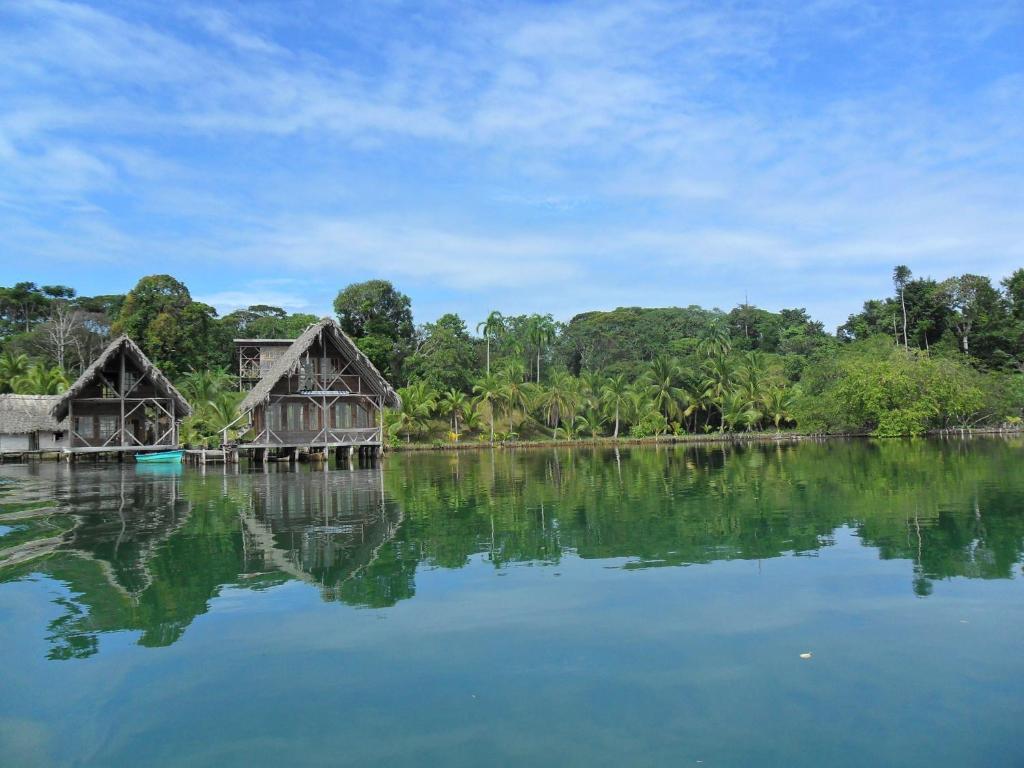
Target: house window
column 107, row 426
column 130, row 378
column 84, row 426
column 342, row 415
column 294, row 421
column 274, row 417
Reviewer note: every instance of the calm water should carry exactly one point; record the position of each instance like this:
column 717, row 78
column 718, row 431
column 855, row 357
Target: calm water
column 568, row 607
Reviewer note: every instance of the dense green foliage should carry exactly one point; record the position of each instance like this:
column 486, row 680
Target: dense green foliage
column 934, row 355
column 379, row 318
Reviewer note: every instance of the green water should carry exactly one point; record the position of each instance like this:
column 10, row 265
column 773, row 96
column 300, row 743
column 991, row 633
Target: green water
column 566, row 607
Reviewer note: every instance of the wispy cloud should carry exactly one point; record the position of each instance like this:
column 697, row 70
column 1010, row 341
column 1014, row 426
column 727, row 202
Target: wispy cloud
column 577, row 153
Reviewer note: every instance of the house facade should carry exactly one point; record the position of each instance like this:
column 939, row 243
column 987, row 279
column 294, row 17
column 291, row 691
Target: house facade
column 122, row 402
column 26, row 425
column 320, row 391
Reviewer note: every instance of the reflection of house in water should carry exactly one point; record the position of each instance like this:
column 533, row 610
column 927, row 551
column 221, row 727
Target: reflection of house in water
column 328, row 528
column 148, row 552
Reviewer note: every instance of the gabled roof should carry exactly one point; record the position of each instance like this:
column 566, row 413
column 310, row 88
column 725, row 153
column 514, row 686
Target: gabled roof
column 329, row 328
column 24, row 414
column 162, row 384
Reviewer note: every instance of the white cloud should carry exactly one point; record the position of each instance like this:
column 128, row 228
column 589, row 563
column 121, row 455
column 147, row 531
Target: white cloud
column 650, row 142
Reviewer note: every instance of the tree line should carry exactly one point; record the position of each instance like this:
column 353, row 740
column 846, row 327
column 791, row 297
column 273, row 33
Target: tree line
column 934, row 354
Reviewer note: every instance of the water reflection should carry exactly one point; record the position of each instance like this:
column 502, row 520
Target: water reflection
column 147, row 552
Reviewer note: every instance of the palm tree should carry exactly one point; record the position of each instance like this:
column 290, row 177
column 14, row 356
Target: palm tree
column 640, row 403
column 737, row 411
column 560, row 399
column 40, row 380
column 540, row 331
column 470, row 417
column 493, row 328
column 591, row 383
column 514, row 392
column 591, row 422
column 206, row 386
column 715, row 341
column 615, row 395
column 223, row 410
column 778, row 404
column 12, row 366
column 418, row 403
column 453, row 403
column 489, row 390
column 661, row 378
column 718, row 381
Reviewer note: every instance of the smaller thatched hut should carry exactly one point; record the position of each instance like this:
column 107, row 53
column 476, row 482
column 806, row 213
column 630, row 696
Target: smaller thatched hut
column 27, row 426
column 122, row 402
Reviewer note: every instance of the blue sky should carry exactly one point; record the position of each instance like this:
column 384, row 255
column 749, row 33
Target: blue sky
column 553, row 157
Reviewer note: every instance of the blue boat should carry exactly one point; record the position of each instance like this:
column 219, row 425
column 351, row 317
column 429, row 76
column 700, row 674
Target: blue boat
column 163, row 457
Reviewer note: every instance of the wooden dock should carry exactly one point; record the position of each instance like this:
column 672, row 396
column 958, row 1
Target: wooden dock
column 203, row 456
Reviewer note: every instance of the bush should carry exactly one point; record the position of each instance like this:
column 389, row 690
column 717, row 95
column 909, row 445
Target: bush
column 878, row 387
column 650, row 425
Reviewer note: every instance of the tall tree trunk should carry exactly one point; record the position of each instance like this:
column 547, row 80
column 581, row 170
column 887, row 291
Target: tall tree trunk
column 616, row 435
column 538, row 365
column 488, row 355
column 906, row 345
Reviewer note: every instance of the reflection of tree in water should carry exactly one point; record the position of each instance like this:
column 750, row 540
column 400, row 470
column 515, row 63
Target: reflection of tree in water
column 952, row 508
column 149, row 553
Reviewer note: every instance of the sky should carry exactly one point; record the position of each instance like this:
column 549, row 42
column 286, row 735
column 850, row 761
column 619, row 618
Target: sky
column 526, row 157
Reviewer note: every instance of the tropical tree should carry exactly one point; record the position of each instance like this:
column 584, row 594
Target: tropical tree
column 489, row 390
column 661, row 377
column 560, row 399
column 418, row 403
column 738, row 411
column 453, row 403
column 718, row 381
column 900, row 277
column 541, row 333
column 615, row 396
column 12, row 367
column 591, row 422
column 471, row 418
column 514, row 392
column 715, row 341
column 40, row 380
column 205, row 386
column 778, row 406
column 491, row 328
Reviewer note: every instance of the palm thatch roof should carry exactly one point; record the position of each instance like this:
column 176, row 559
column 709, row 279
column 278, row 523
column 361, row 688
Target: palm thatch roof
column 286, row 363
column 160, row 382
column 24, row 414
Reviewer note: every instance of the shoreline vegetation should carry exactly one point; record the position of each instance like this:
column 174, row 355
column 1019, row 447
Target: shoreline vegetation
column 936, row 355
column 784, row 436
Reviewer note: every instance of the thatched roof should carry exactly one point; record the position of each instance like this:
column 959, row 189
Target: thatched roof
column 160, row 382
column 361, row 364
column 23, row 414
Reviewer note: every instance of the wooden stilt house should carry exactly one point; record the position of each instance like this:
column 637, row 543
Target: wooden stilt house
column 122, row 402
column 320, row 392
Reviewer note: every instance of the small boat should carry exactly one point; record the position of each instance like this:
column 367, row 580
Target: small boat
column 163, row 457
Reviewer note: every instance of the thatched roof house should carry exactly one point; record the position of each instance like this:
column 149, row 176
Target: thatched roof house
column 320, row 392
column 27, row 425
column 91, row 375
column 292, row 357
column 122, row 402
